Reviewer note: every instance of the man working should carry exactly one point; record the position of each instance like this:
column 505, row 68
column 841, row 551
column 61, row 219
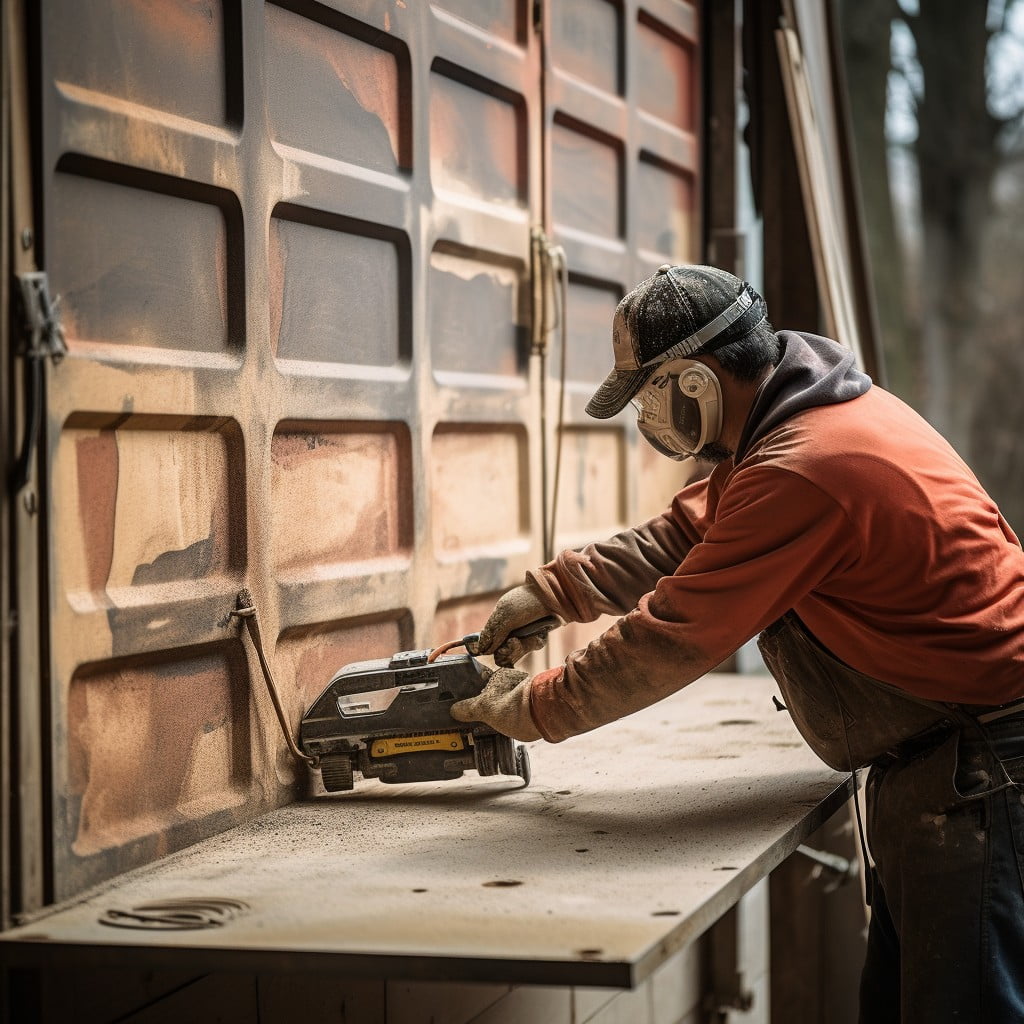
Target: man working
column 888, row 592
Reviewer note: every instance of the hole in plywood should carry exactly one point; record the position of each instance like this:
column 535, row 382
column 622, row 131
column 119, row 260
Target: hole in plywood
column 502, row 883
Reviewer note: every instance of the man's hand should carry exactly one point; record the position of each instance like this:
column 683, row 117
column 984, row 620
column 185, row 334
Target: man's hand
column 518, row 607
column 503, row 704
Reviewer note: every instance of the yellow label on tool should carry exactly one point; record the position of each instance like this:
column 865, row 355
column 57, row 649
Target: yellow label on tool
column 414, row 744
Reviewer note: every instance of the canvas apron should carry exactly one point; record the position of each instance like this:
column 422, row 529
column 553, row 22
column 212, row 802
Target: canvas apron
column 848, row 719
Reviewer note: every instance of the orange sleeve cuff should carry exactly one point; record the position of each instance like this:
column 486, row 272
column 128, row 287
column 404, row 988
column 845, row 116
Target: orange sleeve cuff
column 543, row 687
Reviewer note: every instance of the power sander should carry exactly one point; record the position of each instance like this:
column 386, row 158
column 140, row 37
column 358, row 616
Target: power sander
column 390, row 719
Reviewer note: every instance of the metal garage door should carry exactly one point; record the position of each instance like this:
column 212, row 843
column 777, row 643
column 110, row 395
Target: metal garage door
column 293, row 245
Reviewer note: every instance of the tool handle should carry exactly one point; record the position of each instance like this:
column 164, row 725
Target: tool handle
column 539, row 627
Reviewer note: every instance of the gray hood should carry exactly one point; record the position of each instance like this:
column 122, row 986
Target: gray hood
column 813, row 371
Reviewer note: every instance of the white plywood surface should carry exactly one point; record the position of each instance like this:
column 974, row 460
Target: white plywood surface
column 631, row 841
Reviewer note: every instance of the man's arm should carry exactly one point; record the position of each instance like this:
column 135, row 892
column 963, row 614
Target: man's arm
column 607, row 576
column 610, row 576
column 776, row 537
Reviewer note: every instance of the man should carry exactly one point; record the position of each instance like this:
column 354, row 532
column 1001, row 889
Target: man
column 888, row 592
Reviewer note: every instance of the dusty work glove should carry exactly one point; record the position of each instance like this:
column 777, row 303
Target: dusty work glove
column 518, row 607
column 503, row 704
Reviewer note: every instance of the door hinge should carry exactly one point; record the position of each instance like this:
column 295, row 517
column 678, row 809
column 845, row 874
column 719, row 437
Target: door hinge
column 43, row 338
column 44, row 335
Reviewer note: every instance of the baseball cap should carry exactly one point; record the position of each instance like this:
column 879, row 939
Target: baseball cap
column 675, row 313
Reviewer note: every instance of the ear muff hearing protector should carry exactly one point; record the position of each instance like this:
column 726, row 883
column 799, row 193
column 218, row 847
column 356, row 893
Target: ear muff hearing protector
column 679, row 408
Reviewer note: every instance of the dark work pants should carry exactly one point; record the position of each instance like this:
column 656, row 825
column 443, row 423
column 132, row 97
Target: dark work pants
column 946, row 940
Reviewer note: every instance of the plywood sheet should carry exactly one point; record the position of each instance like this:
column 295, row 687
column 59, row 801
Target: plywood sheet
column 632, row 840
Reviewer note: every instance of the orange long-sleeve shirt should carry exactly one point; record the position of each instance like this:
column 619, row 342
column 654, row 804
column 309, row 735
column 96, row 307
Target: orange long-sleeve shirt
column 859, row 517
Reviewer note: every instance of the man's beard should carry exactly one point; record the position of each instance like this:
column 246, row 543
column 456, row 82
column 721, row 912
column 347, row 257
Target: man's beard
column 714, row 452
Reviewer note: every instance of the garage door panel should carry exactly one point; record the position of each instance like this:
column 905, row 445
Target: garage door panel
column 587, row 186
column 169, row 56
column 144, row 504
column 339, row 290
column 591, row 495
column 157, row 749
column 506, row 19
column 666, row 79
column 464, row 106
column 586, row 42
column 341, row 496
column 591, row 309
column 480, row 492
column 181, row 242
column 666, row 215
column 477, row 321
column 334, row 90
column 359, row 259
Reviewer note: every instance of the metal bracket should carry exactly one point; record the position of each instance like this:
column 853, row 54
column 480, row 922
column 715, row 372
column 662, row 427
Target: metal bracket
column 44, row 333
column 837, row 870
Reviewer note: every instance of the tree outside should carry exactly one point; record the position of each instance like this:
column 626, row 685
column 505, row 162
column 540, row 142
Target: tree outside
column 937, row 104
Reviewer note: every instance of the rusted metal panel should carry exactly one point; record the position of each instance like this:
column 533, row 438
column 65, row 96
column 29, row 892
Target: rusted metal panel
column 339, row 496
column 587, row 41
column 296, row 304
column 666, row 218
column 592, row 488
column 338, row 295
column 142, row 504
column 464, row 108
column 587, row 192
column 153, row 745
column 504, row 19
column 293, row 241
column 479, row 488
column 138, row 266
column 666, row 62
column 334, row 90
column 474, row 313
column 592, row 307
column 168, row 55
column 622, row 110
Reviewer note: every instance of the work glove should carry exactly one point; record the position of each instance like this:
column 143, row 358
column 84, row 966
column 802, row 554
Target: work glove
column 517, row 607
column 503, row 704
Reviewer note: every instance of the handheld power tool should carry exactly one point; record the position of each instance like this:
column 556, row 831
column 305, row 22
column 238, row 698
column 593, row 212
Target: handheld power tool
column 390, row 719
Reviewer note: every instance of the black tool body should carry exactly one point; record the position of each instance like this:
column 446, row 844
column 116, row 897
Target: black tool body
column 390, row 719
